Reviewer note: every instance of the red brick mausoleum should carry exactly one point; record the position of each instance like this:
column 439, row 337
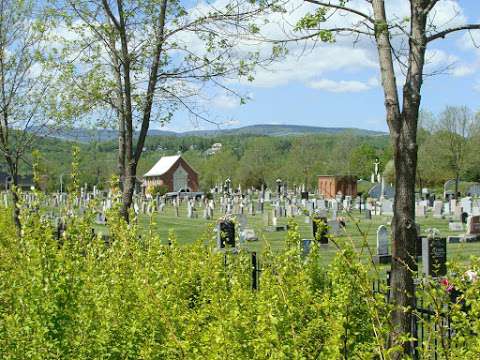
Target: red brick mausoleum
column 331, row 185
column 174, row 172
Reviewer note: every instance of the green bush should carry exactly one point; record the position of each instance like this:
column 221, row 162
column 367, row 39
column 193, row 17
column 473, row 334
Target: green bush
column 143, row 299
column 159, row 190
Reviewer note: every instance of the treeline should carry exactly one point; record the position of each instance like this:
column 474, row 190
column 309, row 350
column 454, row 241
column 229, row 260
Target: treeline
column 449, row 144
column 249, row 160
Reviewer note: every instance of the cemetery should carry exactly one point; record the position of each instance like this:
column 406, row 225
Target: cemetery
column 239, row 179
column 241, row 227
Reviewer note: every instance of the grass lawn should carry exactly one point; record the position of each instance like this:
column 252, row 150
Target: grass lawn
column 188, row 230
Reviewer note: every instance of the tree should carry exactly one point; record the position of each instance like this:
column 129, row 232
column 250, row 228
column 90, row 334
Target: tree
column 144, row 59
column 445, row 144
column 362, row 159
column 28, row 98
column 454, row 130
column 402, row 115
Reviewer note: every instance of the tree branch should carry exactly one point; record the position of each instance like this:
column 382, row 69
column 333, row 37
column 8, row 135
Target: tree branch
column 339, row 7
column 442, row 34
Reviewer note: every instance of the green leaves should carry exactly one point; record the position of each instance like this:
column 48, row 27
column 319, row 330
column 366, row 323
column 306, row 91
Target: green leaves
column 311, row 21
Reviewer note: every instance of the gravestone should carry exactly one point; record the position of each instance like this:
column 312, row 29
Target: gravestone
column 206, row 213
column 383, row 254
column 455, row 239
column 387, row 207
column 242, row 220
column 457, row 213
column 455, row 226
column 225, row 234
column 466, row 204
column 101, row 219
column 434, row 255
column 248, row 235
column 306, row 246
column 473, row 226
column 334, row 227
column 437, row 209
column 420, row 210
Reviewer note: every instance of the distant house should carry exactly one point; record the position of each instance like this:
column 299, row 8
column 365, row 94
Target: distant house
column 174, row 172
column 214, row 149
column 331, row 185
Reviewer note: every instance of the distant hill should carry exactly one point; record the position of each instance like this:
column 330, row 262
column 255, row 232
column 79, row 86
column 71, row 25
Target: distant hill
column 100, row 135
column 280, row 130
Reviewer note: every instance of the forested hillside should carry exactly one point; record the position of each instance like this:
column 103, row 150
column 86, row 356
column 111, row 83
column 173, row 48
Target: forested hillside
column 251, row 160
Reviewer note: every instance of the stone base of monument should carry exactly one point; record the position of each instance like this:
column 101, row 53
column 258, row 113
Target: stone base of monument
column 471, row 238
column 277, row 228
column 382, row 259
column 455, row 239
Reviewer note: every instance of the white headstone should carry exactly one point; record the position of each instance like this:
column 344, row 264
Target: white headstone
column 382, row 240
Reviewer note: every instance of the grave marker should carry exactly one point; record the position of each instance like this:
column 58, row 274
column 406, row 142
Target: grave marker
column 383, row 255
column 434, row 255
column 225, row 234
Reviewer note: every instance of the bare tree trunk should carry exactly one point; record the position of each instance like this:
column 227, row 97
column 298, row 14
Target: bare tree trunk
column 404, row 237
column 403, row 132
column 132, row 156
column 13, row 172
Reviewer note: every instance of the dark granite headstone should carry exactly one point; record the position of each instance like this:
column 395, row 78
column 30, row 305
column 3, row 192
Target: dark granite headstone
column 434, row 255
column 225, row 234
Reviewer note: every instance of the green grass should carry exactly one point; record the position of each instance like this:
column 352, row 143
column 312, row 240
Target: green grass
column 188, row 230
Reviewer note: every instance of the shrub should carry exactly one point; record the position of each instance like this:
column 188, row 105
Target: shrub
column 159, row 190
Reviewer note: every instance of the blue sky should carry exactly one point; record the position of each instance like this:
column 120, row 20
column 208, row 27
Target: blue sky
column 338, row 85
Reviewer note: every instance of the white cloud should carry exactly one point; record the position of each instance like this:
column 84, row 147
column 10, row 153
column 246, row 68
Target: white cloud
column 225, row 102
column 341, row 86
column 305, row 63
column 464, row 70
column 476, row 86
column 230, row 122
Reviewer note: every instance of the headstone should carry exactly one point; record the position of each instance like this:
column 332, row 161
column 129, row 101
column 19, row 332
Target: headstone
column 387, row 207
column 457, row 212
column 101, row 219
column 334, row 227
column 434, row 255
column 306, row 246
column 274, row 221
column 455, row 239
column 420, row 210
column 473, row 225
column 455, row 226
column 383, row 254
column 242, row 220
column 248, row 235
column 466, row 204
column 225, row 234
column 437, row 209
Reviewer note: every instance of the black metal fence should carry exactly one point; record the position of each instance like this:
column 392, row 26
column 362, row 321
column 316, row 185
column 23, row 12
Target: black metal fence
column 431, row 330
